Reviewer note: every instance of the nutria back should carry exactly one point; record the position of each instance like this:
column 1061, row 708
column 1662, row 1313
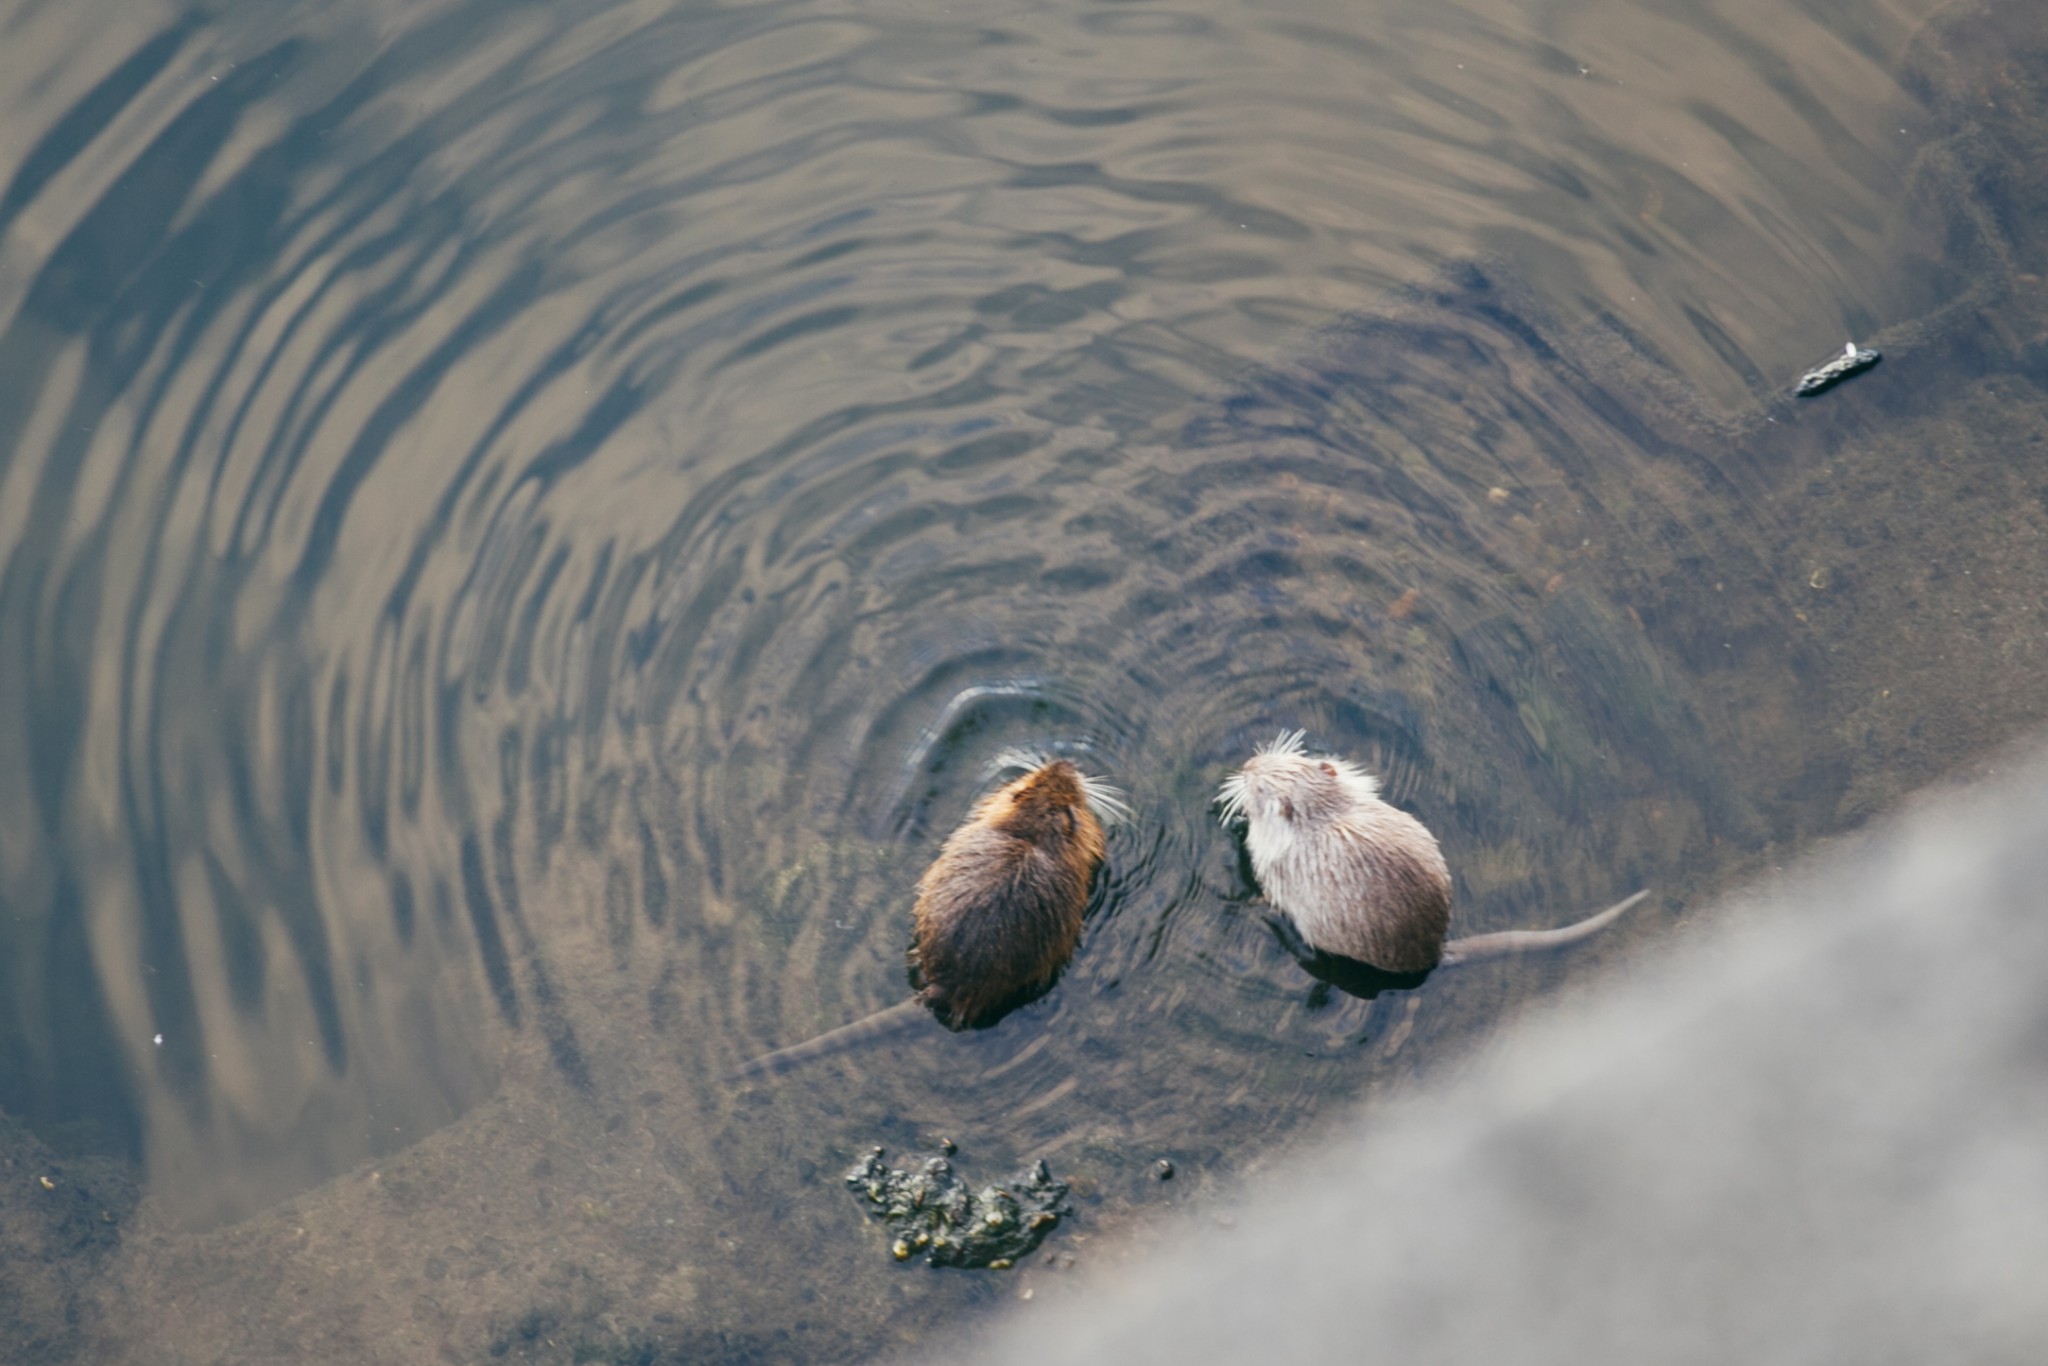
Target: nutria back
column 1369, row 884
column 999, row 911
column 1359, row 878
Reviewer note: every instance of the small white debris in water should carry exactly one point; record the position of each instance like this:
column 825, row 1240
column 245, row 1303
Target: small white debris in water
column 158, row 1041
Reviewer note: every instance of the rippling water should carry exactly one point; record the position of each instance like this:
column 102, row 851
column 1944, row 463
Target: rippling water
column 524, row 525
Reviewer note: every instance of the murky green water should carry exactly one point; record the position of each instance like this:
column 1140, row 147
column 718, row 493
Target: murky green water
column 522, row 526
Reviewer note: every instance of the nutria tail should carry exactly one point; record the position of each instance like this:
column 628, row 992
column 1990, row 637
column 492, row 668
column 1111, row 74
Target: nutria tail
column 1482, row 946
column 864, row 1030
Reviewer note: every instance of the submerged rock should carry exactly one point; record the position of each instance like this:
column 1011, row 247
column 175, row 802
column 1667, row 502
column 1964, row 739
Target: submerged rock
column 933, row 1212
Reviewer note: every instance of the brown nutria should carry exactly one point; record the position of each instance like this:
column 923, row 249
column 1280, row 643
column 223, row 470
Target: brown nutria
column 1358, row 878
column 998, row 912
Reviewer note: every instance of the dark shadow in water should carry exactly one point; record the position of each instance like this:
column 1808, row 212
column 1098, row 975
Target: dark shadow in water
column 1348, row 975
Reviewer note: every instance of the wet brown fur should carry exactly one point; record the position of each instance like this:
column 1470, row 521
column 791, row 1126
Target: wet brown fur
column 999, row 911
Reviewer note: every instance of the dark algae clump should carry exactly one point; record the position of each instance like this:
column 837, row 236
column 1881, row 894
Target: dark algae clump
column 932, row 1211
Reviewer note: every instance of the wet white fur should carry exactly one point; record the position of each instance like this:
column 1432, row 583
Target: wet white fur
column 1319, row 838
column 1313, row 824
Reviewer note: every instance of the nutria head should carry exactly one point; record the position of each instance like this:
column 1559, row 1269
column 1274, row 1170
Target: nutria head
column 1049, row 805
column 1281, row 785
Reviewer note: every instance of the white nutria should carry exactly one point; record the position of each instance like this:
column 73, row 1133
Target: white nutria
column 998, row 913
column 1357, row 877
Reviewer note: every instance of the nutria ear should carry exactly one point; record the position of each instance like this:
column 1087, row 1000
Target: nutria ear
column 1286, row 809
column 1329, row 768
